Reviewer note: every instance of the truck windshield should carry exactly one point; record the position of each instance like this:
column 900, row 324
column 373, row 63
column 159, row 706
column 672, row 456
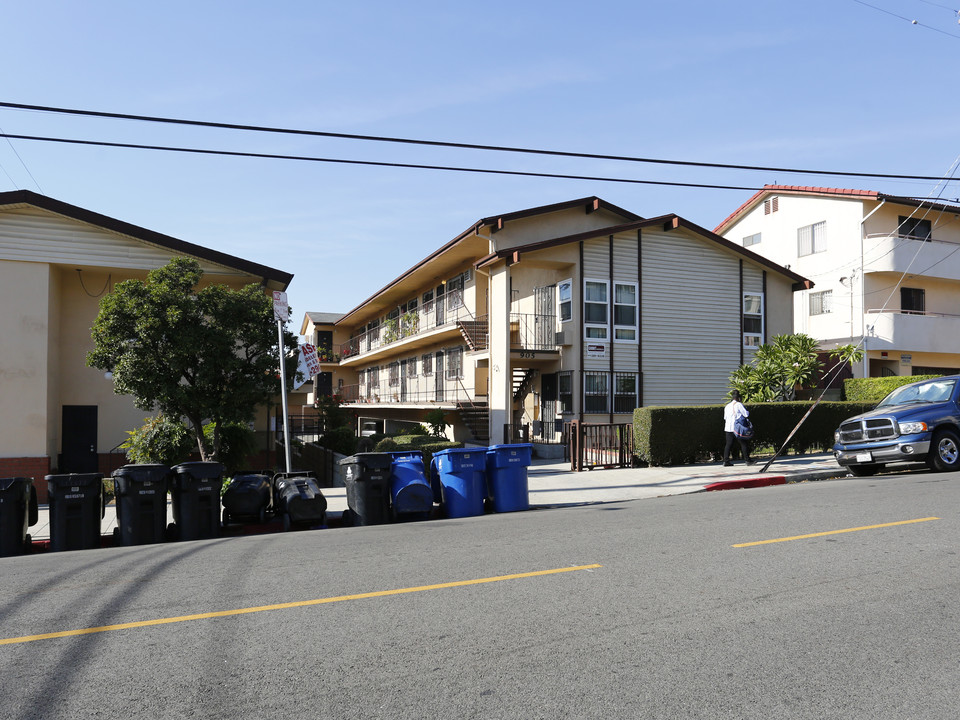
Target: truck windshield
column 928, row 392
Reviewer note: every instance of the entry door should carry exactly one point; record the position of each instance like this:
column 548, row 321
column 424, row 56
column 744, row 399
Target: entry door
column 78, row 439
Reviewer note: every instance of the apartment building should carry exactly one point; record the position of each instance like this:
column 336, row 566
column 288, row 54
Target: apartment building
column 579, row 310
column 886, row 268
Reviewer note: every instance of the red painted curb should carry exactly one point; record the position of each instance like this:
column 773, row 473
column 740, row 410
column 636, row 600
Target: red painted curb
column 746, row 483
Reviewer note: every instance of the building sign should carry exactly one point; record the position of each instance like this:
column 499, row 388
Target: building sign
column 596, row 350
column 906, row 359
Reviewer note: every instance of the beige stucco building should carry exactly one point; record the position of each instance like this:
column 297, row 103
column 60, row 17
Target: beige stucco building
column 56, row 262
column 576, row 311
column 886, row 269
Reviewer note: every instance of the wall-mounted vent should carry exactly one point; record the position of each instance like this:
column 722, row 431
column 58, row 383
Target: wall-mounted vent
column 771, row 205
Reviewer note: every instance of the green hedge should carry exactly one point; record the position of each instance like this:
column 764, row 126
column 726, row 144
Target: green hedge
column 876, row 389
column 684, row 435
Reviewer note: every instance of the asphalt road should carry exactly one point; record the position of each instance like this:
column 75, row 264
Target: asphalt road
column 676, row 621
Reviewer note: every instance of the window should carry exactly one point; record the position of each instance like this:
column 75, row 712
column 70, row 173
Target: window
column 373, row 377
column 821, row 302
column 455, row 292
column 595, row 310
column 596, row 393
column 565, row 391
column 912, row 301
column 565, row 299
column 812, row 239
column 455, row 363
column 752, row 319
column 408, row 368
column 393, row 369
column 914, row 228
column 751, row 240
column 625, row 312
column 624, row 392
column 427, row 364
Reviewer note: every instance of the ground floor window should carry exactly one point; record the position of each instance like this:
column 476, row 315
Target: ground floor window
column 565, row 391
column 596, row 392
column 624, row 392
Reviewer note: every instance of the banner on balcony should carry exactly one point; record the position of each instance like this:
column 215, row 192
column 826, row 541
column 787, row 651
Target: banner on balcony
column 308, row 366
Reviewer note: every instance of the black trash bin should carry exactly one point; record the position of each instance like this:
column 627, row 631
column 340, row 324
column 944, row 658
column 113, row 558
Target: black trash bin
column 367, row 479
column 247, row 497
column 298, row 501
column 196, row 500
column 77, row 505
column 141, row 500
column 18, row 511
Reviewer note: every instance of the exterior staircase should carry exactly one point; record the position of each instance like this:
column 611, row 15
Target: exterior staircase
column 522, row 382
column 475, row 333
column 476, row 416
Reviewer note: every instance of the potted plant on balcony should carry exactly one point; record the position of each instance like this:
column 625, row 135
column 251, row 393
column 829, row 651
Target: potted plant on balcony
column 391, row 330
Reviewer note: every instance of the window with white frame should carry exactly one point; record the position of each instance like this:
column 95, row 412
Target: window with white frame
column 625, row 312
column 751, row 240
column 821, row 302
column 596, row 320
column 624, row 392
column 565, row 299
column 812, row 239
column 596, row 392
column 454, row 362
column 752, row 319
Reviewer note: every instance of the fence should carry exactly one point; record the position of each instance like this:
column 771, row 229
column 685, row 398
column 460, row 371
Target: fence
column 594, row 445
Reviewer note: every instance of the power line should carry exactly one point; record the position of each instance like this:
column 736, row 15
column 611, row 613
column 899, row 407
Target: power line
column 455, row 145
column 909, row 20
column 416, row 166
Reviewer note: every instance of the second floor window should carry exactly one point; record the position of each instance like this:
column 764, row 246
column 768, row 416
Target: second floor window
column 454, row 362
column 625, row 312
column 565, row 299
column 427, row 364
column 752, row 319
column 913, row 301
column 812, row 239
column 595, row 310
column 914, row 228
column 751, row 240
column 820, row 302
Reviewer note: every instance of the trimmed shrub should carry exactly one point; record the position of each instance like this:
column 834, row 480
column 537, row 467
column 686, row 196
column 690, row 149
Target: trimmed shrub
column 684, row 435
column 873, row 390
column 386, row 445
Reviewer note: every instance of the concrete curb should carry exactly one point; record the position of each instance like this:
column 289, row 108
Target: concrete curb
column 766, row 481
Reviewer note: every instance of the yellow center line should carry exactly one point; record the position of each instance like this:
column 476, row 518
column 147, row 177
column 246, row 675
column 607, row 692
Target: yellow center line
column 834, row 532
column 286, row 606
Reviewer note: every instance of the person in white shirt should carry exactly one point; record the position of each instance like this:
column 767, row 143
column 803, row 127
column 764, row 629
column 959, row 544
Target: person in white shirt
column 731, row 411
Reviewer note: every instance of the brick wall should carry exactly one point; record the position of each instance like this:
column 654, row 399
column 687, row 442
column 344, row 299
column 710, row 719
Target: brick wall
column 36, row 467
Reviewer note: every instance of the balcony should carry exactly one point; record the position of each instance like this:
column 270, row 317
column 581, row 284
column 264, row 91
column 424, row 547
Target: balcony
column 913, row 332
column 411, row 329
column 930, row 258
column 419, row 390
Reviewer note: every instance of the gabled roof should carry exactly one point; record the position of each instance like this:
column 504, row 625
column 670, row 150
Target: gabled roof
column 664, row 222
column 826, row 192
column 273, row 278
column 463, row 247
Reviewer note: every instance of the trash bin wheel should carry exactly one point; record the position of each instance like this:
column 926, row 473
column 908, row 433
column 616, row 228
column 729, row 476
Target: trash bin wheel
column 226, row 517
column 173, row 532
column 286, row 522
column 347, row 518
column 27, row 543
column 262, row 516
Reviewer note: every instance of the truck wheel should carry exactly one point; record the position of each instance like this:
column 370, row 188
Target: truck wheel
column 944, row 451
column 863, row 470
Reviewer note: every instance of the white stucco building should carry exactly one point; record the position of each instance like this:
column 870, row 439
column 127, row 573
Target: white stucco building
column 886, row 271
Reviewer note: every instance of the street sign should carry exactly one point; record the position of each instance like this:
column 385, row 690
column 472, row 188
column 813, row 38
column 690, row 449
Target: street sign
column 281, row 310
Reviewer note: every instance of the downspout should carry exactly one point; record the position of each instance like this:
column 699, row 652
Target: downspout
column 863, row 294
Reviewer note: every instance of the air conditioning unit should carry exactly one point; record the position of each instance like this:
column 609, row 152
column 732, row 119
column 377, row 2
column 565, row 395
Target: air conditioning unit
column 562, row 338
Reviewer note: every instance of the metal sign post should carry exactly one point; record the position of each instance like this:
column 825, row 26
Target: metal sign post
column 281, row 312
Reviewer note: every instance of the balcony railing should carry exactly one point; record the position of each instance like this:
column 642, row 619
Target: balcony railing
column 434, row 314
column 926, row 332
column 893, row 253
column 420, row 390
column 533, row 332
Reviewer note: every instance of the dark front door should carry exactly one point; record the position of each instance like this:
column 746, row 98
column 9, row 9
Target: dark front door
column 324, row 384
column 78, row 439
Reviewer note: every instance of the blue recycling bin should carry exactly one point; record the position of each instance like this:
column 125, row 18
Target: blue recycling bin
column 462, row 477
column 410, row 491
column 507, row 476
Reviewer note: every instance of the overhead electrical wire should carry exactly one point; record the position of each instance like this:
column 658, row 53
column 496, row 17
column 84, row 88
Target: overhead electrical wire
column 453, row 145
column 909, row 20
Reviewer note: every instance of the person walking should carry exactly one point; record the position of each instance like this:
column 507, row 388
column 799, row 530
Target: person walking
column 731, row 412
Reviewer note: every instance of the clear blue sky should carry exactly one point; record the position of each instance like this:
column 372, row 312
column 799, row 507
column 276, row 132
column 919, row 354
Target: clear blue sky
column 822, row 85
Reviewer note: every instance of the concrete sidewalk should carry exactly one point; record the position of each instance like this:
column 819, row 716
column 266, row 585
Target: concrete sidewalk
column 552, row 484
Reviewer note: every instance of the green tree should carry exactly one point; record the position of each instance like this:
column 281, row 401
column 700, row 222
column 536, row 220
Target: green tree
column 159, row 440
column 437, row 420
column 778, row 369
column 207, row 355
